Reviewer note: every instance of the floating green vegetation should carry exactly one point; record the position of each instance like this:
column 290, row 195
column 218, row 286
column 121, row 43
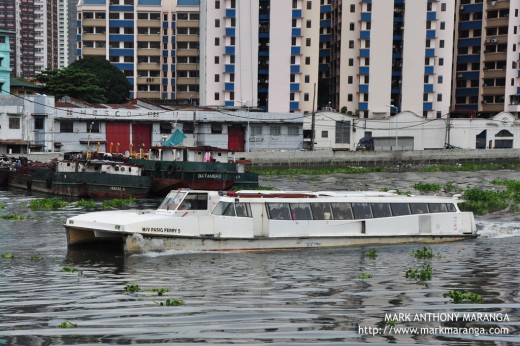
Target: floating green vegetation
column 132, row 288
column 118, row 203
column 317, row 171
column 13, row 216
column 422, row 274
column 160, row 291
column 172, row 302
column 484, row 201
column 36, row 258
column 8, row 255
column 86, row 203
column 451, row 188
column 47, row 204
column 463, row 297
column 364, row 276
column 371, row 253
column 2, row 206
column 423, row 253
column 259, row 188
column 67, row 324
column 70, row 270
column 470, row 166
column 427, row 187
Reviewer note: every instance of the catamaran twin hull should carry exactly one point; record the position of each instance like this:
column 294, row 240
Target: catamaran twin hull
column 261, row 221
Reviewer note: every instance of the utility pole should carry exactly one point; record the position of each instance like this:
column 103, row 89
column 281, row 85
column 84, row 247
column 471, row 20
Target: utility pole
column 313, row 118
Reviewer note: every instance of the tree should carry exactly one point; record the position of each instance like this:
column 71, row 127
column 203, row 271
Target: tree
column 74, row 83
column 113, row 81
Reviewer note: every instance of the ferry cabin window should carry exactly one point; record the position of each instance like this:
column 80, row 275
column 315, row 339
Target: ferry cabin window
column 321, row 211
column 301, row 211
column 437, row 207
column 399, row 209
column 278, row 211
column 362, row 210
column 196, row 201
column 419, row 208
column 451, row 207
column 232, row 209
column 243, row 209
column 381, row 210
column 172, row 200
column 342, row 211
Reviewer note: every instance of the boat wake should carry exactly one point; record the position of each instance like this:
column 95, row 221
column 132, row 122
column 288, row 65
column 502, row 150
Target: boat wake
column 497, row 229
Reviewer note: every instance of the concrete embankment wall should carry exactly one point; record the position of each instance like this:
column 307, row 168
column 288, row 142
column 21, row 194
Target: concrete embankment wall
column 350, row 158
column 381, row 158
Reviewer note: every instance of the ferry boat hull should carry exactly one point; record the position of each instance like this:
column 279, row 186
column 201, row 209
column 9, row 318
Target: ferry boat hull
column 255, row 222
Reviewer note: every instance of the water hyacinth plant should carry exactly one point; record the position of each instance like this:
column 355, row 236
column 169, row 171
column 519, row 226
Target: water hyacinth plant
column 47, row 204
column 422, row 274
column 372, row 253
column 132, row 288
column 67, row 324
column 13, row 217
column 463, row 297
column 118, row 203
column 172, row 302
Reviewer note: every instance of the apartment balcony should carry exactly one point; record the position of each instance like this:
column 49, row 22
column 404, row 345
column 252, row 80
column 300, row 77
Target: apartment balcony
column 94, row 37
column 94, row 51
column 188, row 52
column 187, row 95
column 495, row 22
column 148, row 94
column 148, row 80
column 187, row 24
column 187, row 38
column 151, row 66
column 93, row 22
column 498, row 5
column 149, row 38
column 493, row 90
column 148, row 23
column 186, row 81
column 148, row 52
column 492, row 107
column 494, row 73
column 187, row 67
column 497, row 56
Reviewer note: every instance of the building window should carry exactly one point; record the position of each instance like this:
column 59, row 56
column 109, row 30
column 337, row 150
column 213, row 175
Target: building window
column 350, row 80
column 443, row 25
column 293, row 130
column 439, row 79
column 309, row 5
column 217, row 60
column 256, row 130
column 352, row 8
column 342, row 132
column 217, row 23
column 216, row 128
column 309, row 23
column 307, row 60
column 217, row 78
column 275, row 130
column 217, row 4
column 217, row 41
column 14, row 123
column 350, row 62
column 324, row 134
column 443, row 7
column 39, row 123
column 307, row 78
column 351, row 44
column 217, row 96
column 441, row 44
column 308, row 42
column 349, row 97
column 351, row 26
column 306, row 97
column 92, row 127
column 66, row 126
column 439, row 97
column 187, row 128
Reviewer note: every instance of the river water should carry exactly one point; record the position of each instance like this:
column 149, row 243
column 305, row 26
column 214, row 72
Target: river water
column 281, row 298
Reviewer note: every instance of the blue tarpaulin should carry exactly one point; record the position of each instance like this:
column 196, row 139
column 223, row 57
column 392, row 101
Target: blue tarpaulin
column 176, row 138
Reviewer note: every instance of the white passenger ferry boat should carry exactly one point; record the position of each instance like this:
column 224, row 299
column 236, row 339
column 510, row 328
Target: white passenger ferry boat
column 254, row 220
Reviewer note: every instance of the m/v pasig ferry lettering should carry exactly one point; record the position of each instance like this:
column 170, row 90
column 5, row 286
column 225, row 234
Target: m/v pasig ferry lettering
column 160, row 230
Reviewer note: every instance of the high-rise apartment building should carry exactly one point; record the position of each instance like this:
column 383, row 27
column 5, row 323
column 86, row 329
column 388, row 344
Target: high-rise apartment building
column 33, row 24
column 487, row 70
column 390, row 56
column 66, row 29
